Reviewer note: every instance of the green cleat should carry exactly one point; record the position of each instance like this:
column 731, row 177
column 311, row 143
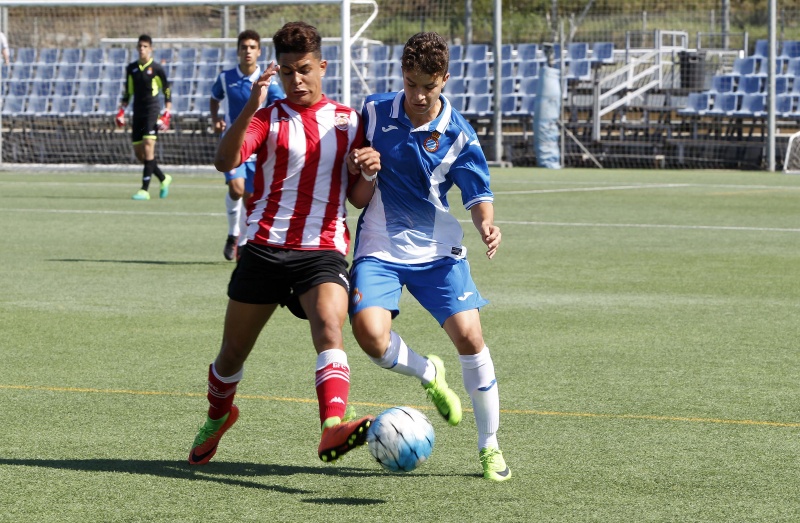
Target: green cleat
column 494, row 466
column 207, row 440
column 141, row 194
column 164, row 192
column 446, row 401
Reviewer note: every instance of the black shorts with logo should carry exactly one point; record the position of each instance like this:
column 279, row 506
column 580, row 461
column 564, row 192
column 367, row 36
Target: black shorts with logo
column 145, row 124
column 266, row 275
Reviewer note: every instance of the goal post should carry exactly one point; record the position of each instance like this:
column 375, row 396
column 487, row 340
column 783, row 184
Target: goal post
column 791, row 163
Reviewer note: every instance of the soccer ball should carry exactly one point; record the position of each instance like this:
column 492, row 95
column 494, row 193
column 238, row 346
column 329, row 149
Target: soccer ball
column 401, row 439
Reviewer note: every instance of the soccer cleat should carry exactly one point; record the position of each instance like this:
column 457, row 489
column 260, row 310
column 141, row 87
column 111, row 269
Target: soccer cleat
column 494, row 466
column 337, row 440
column 447, row 402
column 164, row 192
column 141, row 194
column 230, row 248
column 205, row 444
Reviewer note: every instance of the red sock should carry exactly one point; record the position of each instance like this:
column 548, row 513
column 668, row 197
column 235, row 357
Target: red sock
column 220, row 395
column 333, row 387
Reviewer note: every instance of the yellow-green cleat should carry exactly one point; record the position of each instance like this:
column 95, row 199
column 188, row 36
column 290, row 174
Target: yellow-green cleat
column 141, row 194
column 164, row 192
column 494, row 466
column 447, row 402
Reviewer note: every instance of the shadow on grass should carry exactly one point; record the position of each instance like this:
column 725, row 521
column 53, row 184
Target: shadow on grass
column 233, row 474
column 142, row 262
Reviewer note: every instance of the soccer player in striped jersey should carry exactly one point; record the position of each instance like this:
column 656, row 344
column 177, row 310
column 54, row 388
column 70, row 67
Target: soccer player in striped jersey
column 297, row 236
column 230, row 93
column 145, row 80
column 406, row 236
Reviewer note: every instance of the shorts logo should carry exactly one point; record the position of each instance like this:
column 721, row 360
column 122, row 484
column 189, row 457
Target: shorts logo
column 345, row 280
column 342, row 122
column 356, row 296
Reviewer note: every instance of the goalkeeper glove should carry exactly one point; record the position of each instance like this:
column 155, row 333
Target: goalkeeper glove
column 164, row 119
column 120, row 118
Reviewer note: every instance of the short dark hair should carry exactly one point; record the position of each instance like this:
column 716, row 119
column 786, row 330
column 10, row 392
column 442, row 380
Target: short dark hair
column 248, row 34
column 146, row 38
column 297, row 37
column 426, row 53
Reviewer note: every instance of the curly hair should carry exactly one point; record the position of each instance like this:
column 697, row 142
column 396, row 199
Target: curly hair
column 298, row 37
column 426, row 53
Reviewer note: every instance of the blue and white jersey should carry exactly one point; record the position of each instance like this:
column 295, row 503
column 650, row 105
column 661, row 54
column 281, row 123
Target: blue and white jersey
column 408, row 219
column 232, row 90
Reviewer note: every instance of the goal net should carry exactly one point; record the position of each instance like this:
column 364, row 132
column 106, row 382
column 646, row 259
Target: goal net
column 791, row 164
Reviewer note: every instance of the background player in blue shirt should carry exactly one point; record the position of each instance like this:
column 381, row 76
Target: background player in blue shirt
column 230, row 93
column 407, row 237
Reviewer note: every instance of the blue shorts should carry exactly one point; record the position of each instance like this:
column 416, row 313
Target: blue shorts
column 247, row 171
column 443, row 287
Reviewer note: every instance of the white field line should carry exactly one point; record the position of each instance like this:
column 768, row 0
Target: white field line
column 645, row 226
column 589, row 189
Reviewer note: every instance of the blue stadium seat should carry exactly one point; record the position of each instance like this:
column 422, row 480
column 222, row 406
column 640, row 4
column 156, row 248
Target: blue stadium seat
column 210, row 55
column 87, row 87
column 107, row 104
column 185, row 71
column 749, row 84
column 752, row 106
column 507, row 69
column 781, row 85
column 725, row 104
column 114, row 72
column 508, row 86
column 329, row 52
column 529, row 86
column 528, row 69
column 697, row 104
column 67, row 72
column 117, row 56
column 722, row 84
column 784, row 105
column 83, row 105
column 41, row 88
column 22, row 71
column 210, row 70
column 480, row 105
column 230, row 57
column 603, row 52
column 506, row 52
column 187, row 54
column 382, row 85
column 91, row 72
column 93, row 55
column 579, row 70
column 109, row 88
column 45, row 72
column 478, row 69
column 37, row 105
column 457, row 69
column 527, row 52
column 203, row 87
column 182, row 88
column 508, row 104
column 13, row 104
column 456, row 52
column 577, row 51
column 397, row 52
column 70, row 55
column 793, row 69
column 457, row 101
column 790, row 49
column 181, row 104
column 18, row 87
column 476, row 53
column 456, row 86
column 527, row 105
column 379, row 53
column 478, row 86
column 48, row 55
column 24, row 55
column 64, row 88
column 761, row 49
column 744, row 66
column 163, row 55
column 379, row 70
column 60, row 105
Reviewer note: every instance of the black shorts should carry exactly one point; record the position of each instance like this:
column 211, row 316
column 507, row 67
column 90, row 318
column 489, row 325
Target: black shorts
column 266, row 275
column 144, row 125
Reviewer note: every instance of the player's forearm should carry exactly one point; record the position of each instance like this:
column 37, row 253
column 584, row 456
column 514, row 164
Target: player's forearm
column 229, row 150
column 482, row 215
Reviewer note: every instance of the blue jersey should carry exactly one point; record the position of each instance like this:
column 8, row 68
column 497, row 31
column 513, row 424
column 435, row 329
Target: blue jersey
column 408, row 219
column 232, row 89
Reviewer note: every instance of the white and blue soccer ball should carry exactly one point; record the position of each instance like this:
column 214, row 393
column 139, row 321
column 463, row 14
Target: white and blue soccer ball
column 401, row 439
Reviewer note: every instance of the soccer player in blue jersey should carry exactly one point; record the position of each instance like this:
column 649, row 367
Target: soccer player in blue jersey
column 407, row 237
column 230, row 93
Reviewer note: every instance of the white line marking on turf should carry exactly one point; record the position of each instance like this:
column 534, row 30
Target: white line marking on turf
column 645, row 226
column 132, row 213
column 588, row 189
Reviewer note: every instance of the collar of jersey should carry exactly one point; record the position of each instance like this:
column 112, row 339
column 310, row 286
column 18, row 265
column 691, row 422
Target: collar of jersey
column 438, row 124
column 142, row 67
column 252, row 77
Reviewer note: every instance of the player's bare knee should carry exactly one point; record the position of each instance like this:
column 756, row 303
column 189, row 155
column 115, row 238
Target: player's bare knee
column 372, row 337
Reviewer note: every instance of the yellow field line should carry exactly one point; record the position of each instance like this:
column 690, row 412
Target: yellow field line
column 645, row 417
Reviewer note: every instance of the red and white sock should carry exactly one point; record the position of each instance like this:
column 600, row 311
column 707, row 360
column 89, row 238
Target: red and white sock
column 332, row 383
column 221, row 391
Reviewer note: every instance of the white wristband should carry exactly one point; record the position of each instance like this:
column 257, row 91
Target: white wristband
column 368, row 178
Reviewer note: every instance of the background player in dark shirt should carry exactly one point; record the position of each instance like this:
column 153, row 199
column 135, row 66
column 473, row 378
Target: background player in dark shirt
column 144, row 81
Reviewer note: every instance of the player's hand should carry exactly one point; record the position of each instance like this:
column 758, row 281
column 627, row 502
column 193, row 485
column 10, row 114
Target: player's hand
column 366, row 161
column 120, row 118
column 261, row 87
column 164, row 120
column 219, row 125
column 491, row 238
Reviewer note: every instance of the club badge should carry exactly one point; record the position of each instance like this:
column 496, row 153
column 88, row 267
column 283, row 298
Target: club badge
column 342, row 122
column 431, row 143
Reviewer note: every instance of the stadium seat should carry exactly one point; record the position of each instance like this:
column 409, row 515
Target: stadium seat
column 784, row 105
column 752, row 106
column 181, row 88
column 181, row 104
column 744, row 66
column 37, row 105
column 480, row 105
column 67, row 72
column 456, row 69
column 457, row 101
column 203, row 87
column 107, row 104
column 18, row 87
column 528, row 69
column 697, row 104
column 456, row 52
column 117, row 56
column 603, row 52
column 210, row 55
column 382, row 85
column 507, row 69
column 230, row 57
column 577, row 51
column 507, row 52
column 508, row 86
column 185, row 71
column 379, row 70
column 13, row 104
column 22, row 72
column 60, row 105
column 48, row 55
column 722, row 84
column 579, row 70
column 86, row 87
column 456, row 86
column 70, row 55
column 379, row 53
column 110, row 87
column 725, row 104
column 114, row 72
column 478, row 86
column 83, row 105
column 187, row 55
column 331, row 86
column 478, row 69
column 329, row 52
column 527, row 52
column 45, row 72
column 163, row 55
column 210, row 70
column 527, row 105
column 529, row 86
column 781, row 85
column 24, row 55
column 749, row 84
column 761, row 49
column 508, row 104
column 476, row 53
column 64, row 88
column 91, row 72
column 93, row 55
column 790, row 49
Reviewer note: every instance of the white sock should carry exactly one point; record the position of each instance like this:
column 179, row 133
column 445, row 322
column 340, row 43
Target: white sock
column 234, row 208
column 236, row 378
column 242, row 223
column 481, row 384
column 401, row 359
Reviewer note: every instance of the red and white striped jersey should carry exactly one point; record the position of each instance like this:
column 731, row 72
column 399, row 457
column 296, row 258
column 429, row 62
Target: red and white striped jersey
column 301, row 178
